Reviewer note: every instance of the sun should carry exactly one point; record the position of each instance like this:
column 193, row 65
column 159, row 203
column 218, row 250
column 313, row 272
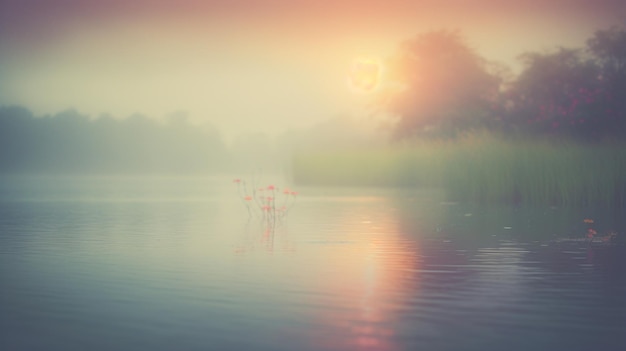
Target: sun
column 365, row 74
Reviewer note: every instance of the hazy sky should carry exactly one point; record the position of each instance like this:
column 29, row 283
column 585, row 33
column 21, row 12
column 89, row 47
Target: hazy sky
column 249, row 65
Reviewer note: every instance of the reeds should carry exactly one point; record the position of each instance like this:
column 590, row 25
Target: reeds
column 481, row 167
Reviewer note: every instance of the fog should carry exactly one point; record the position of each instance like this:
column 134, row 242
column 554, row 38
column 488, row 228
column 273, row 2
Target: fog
column 188, row 87
column 69, row 143
column 252, row 66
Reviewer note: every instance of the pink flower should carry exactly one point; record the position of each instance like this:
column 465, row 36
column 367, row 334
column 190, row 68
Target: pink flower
column 237, row 181
column 270, row 187
column 248, row 198
column 591, row 233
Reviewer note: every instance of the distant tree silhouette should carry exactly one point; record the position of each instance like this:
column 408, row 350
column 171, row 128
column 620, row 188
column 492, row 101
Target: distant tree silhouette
column 609, row 49
column 69, row 142
column 557, row 93
column 16, row 129
column 572, row 92
column 437, row 84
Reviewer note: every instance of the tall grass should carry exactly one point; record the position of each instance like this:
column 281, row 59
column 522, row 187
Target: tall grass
column 483, row 168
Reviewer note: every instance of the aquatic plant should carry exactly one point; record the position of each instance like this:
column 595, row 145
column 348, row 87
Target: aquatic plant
column 483, row 168
column 592, row 235
column 269, row 203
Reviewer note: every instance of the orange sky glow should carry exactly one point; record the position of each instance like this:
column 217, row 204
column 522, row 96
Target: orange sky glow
column 249, row 66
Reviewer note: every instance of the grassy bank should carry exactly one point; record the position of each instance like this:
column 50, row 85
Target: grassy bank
column 481, row 168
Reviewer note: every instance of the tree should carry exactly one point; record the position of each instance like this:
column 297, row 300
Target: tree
column 573, row 92
column 437, row 84
column 558, row 93
column 609, row 49
column 69, row 142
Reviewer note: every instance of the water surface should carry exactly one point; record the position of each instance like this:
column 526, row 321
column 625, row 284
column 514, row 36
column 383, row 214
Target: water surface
column 176, row 264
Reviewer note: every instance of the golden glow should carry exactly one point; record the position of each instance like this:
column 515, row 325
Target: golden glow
column 262, row 66
column 365, row 74
column 370, row 271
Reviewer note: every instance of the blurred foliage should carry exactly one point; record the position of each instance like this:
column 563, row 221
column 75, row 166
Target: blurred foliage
column 481, row 167
column 438, row 86
column 69, row 143
column 557, row 93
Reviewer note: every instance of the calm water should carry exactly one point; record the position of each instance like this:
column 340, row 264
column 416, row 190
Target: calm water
column 175, row 264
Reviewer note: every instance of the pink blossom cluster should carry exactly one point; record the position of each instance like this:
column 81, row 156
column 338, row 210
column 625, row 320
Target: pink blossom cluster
column 573, row 108
column 270, row 202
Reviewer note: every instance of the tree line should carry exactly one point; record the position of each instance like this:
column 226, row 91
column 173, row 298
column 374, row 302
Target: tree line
column 69, row 142
column 72, row 143
column 437, row 85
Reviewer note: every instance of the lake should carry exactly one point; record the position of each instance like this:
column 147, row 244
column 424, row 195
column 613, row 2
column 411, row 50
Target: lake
column 123, row 263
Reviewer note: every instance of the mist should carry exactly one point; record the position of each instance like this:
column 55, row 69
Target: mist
column 312, row 175
column 71, row 143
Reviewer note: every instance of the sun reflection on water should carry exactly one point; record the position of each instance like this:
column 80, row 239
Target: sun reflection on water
column 369, row 279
